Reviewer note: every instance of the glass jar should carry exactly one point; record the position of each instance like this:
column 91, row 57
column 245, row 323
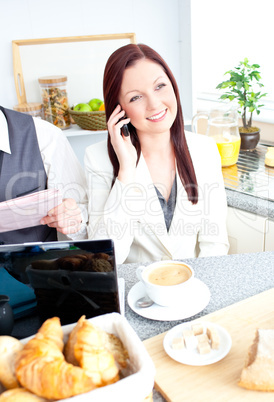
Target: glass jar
column 223, row 128
column 55, row 100
column 33, row 109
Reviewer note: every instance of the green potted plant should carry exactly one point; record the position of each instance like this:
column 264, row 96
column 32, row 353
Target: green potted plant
column 242, row 84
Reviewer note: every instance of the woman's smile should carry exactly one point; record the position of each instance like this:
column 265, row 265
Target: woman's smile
column 158, row 117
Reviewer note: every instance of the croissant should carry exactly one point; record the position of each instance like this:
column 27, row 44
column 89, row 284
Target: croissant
column 41, row 367
column 9, row 347
column 52, row 331
column 20, row 395
column 87, row 347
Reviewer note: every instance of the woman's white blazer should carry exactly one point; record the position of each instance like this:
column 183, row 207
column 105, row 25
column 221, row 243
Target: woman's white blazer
column 132, row 216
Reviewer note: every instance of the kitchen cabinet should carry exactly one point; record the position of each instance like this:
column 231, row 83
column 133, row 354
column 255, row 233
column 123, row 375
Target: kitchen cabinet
column 246, row 231
column 269, row 235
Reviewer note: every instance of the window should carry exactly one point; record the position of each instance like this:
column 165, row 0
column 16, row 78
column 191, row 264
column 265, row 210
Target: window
column 223, row 34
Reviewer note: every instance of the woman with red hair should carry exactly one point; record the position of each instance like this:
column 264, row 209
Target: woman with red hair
column 157, row 191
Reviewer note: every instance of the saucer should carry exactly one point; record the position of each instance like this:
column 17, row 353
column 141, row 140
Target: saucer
column 189, row 305
column 192, row 357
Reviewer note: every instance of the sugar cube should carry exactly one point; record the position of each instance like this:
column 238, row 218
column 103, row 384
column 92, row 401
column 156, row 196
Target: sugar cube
column 178, row 343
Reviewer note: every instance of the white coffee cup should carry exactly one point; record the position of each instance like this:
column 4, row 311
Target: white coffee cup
column 166, row 282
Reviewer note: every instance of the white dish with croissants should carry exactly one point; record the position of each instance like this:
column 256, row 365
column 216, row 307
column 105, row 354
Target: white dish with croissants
column 100, row 358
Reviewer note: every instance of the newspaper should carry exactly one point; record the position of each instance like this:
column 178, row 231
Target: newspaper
column 27, row 211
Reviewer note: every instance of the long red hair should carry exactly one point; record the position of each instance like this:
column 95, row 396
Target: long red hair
column 121, row 59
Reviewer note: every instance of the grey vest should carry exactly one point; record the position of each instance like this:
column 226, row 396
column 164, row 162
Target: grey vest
column 22, row 172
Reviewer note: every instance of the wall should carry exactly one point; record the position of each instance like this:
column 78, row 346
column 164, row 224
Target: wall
column 155, row 22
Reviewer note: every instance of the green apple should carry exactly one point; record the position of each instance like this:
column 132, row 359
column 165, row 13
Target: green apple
column 95, row 104
column 82, row 107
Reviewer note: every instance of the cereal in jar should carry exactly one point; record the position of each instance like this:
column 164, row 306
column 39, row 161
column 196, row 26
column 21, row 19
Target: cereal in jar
column 55, row 100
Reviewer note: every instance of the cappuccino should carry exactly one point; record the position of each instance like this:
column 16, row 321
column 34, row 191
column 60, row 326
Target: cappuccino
column 169, row 274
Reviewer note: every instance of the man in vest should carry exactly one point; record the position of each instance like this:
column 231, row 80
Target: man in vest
column 36, row 155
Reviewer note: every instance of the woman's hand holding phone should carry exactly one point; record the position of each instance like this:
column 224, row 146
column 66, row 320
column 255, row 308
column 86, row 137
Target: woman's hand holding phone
column 125, row 151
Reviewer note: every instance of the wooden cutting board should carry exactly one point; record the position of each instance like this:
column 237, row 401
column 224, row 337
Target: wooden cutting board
column 218, row 381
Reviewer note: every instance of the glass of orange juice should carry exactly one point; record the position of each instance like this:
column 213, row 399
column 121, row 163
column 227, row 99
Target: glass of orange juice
column 228, row 149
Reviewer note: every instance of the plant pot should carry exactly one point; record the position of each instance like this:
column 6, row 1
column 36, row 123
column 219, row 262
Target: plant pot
column 250, row 140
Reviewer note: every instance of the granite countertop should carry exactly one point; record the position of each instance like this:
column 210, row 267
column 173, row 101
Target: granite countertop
column 250, row 203
column 250, row 184
column 230, row 278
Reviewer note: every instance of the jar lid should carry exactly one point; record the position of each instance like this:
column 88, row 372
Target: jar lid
column 27, row 107
column 52, row 79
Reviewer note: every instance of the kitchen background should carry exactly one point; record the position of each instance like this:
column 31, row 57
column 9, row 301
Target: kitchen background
column 199, row 39
column 157, row 23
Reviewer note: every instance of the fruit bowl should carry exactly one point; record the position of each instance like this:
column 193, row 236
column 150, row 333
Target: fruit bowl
column 89, row 120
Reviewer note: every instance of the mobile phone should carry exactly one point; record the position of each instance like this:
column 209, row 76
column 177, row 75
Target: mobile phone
column 125, row 130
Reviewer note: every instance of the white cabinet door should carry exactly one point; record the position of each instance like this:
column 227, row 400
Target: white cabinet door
column 246, row 231
column 269, row 235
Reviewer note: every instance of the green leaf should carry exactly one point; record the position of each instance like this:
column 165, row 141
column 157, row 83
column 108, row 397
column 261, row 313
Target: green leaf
column 227, row 84
column 236, row 77
column 225, row 96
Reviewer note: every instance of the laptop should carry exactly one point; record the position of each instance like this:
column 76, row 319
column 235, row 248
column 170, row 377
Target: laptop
column 65, row 278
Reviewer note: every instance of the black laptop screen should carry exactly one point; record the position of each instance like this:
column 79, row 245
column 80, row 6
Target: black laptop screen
column 69, row 278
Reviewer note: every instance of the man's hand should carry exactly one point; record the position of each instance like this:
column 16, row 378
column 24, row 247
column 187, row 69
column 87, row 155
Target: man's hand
column 66, row 217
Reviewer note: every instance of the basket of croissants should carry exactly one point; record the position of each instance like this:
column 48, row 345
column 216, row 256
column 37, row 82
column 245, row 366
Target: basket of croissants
column 97, row 359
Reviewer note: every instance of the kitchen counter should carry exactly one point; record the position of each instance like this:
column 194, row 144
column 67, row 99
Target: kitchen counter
column 230, row 279
column 249, row 203
column 250, row 184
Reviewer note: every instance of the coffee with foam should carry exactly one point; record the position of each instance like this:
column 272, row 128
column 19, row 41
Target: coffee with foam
column 169, row 274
